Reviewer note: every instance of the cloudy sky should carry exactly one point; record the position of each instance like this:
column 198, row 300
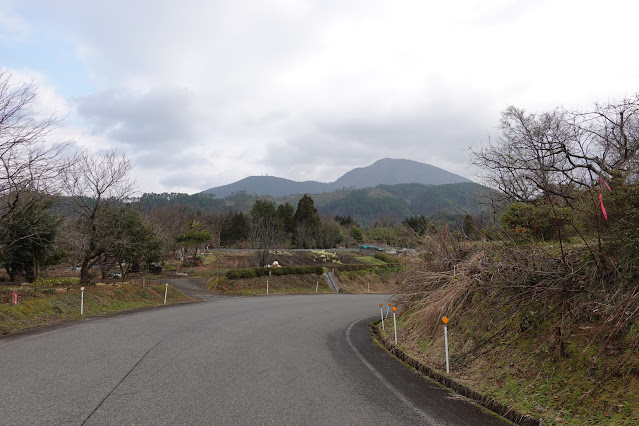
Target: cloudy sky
column 201, row 93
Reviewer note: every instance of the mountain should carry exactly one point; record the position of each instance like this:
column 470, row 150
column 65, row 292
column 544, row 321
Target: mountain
column 383, row 172
column 271, row 186
column 365, row 205
column 399, row 201
column 390, row 171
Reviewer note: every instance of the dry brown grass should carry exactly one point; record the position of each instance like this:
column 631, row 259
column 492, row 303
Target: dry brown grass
column 362, row 281
column 433, row 295
column 528, row 323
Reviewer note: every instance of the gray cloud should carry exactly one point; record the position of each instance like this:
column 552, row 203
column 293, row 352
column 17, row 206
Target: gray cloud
column 338, row 144
column 154, row 118
column 188, row 179
column 312, row 89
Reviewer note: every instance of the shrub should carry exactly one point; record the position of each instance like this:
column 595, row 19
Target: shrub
column 385, row 257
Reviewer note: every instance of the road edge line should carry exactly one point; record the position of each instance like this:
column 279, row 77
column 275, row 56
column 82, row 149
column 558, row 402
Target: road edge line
column 383, row 380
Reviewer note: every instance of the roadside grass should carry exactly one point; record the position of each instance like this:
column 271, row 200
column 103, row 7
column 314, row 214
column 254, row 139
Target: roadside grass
column 283, row 284
column 377, row 281
column 370, row 260
column 98, row 300
column 530, row 371
column 349, row 282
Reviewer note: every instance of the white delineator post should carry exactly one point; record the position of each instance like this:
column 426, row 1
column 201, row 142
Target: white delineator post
column 369, row 288
column 267, row 287
column 166, row 291
column 388, row 309
column 395, row 324
column 445, row 321
column 81, row 300
column 381, row 313
column 316, row 287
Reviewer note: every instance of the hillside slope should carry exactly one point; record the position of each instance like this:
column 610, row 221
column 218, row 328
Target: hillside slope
column 390, row 171
column 398, row 201
column 383, row 172
column 271, row 186
column 364, row 205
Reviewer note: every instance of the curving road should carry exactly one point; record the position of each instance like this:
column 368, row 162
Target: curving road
column 262, row 360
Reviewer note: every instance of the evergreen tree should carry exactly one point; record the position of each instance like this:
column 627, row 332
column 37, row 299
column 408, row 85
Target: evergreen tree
column 307, row 223
column 194, row 236
column 286, row 216
column 236, row 229
column 33, row 236
column 127, row 240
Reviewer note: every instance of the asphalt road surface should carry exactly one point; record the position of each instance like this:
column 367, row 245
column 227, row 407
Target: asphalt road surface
column 294, row 360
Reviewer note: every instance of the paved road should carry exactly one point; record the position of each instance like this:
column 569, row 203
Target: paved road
column 262, row 360
column 192, row 287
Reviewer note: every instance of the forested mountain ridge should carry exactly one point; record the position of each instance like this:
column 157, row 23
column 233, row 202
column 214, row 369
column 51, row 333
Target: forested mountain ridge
column 363, row 205
column 383, row 172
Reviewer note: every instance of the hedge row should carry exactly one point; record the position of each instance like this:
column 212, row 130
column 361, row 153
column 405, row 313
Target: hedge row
column 385, row 257
column 261, row 272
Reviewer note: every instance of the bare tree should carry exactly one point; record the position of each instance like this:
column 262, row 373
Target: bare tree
column 213, row 222
column 552, row 154
column 607, row 139
column 266, row 233
column 529, row 158
column 29, row 165
column 565, row 158
column 170, row 220
column 94, row 182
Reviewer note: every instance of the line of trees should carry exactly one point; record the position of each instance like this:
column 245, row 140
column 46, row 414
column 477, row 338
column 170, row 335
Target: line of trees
column 55, row 204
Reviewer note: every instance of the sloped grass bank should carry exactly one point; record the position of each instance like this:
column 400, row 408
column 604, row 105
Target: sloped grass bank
column 559, row 353
column 569, row 382
column 98, row 300
column 282, row 284
column 384, row 279
column 509, row 412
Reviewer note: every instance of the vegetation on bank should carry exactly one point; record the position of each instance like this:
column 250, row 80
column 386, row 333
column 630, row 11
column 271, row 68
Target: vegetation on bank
column 370, row 274
column 362, row 281
column 266, row 272
column 544, row 308
column 279, row 284
column 60, row 302
column 560, row 356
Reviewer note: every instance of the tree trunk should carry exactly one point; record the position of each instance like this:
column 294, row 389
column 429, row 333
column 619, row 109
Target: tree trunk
column 85, row 275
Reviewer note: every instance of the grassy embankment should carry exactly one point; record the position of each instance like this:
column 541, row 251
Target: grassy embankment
column 384, row 276
column 56, row 301
column 374, row 273
column 560, row 354
column 285, row 284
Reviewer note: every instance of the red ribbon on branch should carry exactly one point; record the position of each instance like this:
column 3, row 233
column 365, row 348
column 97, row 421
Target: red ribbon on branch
column 603, row 209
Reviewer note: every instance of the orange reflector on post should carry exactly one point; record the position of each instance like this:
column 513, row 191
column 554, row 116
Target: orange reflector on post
column 445, row 320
